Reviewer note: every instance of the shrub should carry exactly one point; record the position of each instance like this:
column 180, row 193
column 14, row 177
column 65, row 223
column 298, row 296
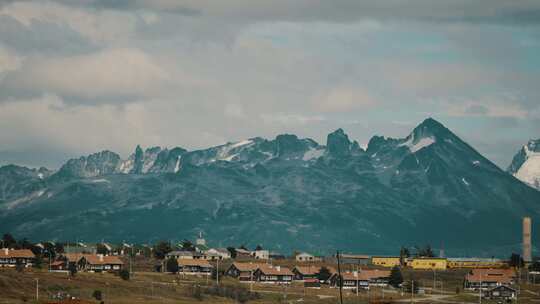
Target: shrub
column 124, row 274
column 97, row 295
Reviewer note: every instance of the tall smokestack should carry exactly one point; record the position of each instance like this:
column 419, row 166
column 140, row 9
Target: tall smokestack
column 527, row 258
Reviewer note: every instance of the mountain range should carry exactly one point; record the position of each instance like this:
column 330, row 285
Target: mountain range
column 287, row 193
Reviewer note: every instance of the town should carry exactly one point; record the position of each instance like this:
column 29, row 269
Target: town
column 72, row 272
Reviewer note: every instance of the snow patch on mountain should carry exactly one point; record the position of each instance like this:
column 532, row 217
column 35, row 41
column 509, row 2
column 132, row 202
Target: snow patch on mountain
column 25, row 199
column 177, row 166
column 419, row 144
column 313, row 153
column 529, row 171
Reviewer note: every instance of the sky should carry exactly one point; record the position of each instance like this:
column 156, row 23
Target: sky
column 77, row 77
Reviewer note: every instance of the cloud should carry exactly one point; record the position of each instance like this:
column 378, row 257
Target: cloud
column 487, row 106
column 494, row 11
column 108, row 75
column 8, row 61
column 99, row 27
column 343, row 99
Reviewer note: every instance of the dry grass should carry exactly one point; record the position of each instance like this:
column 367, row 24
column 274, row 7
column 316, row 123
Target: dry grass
column 151, row 287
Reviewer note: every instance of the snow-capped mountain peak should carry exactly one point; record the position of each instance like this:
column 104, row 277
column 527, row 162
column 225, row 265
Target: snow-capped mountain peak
column 526, row 164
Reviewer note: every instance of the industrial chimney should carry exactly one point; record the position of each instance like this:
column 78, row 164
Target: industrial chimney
column 527, row 258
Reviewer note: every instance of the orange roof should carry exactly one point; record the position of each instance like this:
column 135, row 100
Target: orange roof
column 491, row 275
column 275, row 270
column 307, row 270
column 193, row 262
column 16, row 253
column 94, row 259
column 247, row 266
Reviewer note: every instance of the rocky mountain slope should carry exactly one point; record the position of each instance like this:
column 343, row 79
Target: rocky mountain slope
column 286, row 193
column 526, row 164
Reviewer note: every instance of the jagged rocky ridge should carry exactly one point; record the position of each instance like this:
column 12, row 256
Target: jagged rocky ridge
column 287, row 193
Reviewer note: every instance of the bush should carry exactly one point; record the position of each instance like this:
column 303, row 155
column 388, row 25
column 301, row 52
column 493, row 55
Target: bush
column 124, row 274
column 172, row 265
column 97, row 295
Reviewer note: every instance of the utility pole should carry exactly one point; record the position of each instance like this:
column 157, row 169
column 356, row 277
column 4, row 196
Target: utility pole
column 434, row 274
column 37, row 290
column 480, row 288
column 340, row 279
column 251, row 280
column 412, row 291
column 217, row 272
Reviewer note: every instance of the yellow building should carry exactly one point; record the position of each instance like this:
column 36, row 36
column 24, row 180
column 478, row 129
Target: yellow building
column 385, row 261
column 429, row 263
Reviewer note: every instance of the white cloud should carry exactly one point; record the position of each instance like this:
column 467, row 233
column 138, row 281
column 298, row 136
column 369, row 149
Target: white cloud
column 343, row 98
column 111, row 73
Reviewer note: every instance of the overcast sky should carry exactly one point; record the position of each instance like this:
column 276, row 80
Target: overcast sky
column 77, row 79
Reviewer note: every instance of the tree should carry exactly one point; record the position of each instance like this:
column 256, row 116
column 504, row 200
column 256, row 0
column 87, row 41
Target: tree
column 161, row 249
column 187, row 245
column 403, row 255
column 172, row 265
column 102, row 249
column 19, row 265
column 59, row 248
column 396, row 278
column 124, row 274
column 24, row 244
column 97, row 295
column 324, row 274
column 232, row 251
column 516, row 261
column 259, row 247
column 72, row 267
column 8, row 241
column 39, row 261
column 425, row 252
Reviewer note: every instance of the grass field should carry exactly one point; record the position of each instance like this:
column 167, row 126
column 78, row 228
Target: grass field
column 151, row 287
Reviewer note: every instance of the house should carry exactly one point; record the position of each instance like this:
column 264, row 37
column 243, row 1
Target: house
column 476, row 263
column 14, row 257
column 243, row 271
column 306, row 257
column 302, row 273
column 185, row 255
column 261, row 254
column 488, row 278
column 100, row 262
column 362, row 279
column 242, row 253
column 223, row 253
column 273, row 274
column 187, row 266
column 428, row 263
column 502, row 292
column 75, row 258
column 386, row 261
column 58, row 265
